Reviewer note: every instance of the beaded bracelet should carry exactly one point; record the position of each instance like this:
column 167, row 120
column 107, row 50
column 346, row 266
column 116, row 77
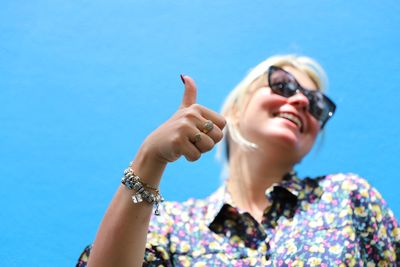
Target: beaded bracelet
column 132, row 181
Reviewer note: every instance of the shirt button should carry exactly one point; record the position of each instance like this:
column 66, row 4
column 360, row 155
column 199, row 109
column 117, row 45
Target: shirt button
column 268, row 256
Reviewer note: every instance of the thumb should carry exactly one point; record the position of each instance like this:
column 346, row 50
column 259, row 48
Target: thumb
column 190, row 93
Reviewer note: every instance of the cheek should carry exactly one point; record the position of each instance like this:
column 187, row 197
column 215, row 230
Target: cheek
column 256, row 119
column 315, row 127
column 255, row 111
column 253, row 115
column 312, row 134
column 263, row 102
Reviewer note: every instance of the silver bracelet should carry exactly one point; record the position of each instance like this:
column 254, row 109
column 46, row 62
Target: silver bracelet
column 132, row 181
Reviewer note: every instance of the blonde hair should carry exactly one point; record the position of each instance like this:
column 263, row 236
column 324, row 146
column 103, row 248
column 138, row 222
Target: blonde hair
column 235, row 101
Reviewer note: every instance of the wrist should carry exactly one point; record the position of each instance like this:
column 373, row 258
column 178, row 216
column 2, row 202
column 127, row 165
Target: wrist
column 148, row 167
column 143, row 191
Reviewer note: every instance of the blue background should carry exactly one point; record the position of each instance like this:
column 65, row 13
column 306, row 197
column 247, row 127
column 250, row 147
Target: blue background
column 83, row 82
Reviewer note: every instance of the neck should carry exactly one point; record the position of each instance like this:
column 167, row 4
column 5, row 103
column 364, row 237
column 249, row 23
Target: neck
column 251, row 173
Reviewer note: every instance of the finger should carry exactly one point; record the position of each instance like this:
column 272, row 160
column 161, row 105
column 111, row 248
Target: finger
column 213, row 116
column 190, row 93
column 215, row 134
column 204, row 143
column 190, row 151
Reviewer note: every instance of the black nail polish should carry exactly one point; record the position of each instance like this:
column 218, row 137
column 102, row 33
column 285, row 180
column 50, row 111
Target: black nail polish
column 183, row 80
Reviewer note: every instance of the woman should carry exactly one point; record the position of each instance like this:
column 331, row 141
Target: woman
column 263, row 214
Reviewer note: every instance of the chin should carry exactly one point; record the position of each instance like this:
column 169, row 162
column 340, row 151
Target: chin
column 279, row 137
column 284, row 140
column 285, row 137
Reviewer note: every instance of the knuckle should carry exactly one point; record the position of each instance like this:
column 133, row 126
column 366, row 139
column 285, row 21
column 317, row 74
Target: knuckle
column 184, row 124
column 196, row 157
column 176, row 141
column 223, row 122
column 210, row 144
column 219, row 135
column 208, row 147
column 190, row 113
column 193, row 157
column 196, row 107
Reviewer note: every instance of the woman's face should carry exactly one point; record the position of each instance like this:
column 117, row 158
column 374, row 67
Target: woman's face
column 270, row 119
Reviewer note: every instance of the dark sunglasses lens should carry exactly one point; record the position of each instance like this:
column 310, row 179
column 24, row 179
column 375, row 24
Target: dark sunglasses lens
column 284, row 84
column 320, row 107
column 283, row 89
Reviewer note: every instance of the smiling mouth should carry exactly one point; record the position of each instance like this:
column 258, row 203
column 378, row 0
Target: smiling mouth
column 293, row 118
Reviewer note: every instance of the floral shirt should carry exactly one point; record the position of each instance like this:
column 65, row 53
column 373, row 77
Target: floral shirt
column 335, row 220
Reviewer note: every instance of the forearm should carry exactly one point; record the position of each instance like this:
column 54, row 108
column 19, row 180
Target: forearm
column 121, row 238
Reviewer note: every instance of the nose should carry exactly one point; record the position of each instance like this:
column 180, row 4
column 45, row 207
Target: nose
column 300, row 101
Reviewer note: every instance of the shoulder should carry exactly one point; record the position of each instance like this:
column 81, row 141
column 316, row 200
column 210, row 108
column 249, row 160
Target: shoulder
column 348, row 183
column 346, row 189
column 356, row 191
column 343, row 185
column 369, row 214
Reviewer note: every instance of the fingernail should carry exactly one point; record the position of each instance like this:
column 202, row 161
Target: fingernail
column 183, row 80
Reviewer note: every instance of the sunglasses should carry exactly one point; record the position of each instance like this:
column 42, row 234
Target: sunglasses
column 284, row 84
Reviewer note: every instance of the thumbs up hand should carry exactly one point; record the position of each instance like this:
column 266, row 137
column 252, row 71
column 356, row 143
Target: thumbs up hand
column 191, row 131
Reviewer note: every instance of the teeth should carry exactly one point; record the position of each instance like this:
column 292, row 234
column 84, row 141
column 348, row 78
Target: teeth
column 292, row 118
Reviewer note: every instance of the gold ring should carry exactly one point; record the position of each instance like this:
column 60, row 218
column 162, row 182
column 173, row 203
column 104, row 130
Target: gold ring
column 208, row 126
column 197, row 137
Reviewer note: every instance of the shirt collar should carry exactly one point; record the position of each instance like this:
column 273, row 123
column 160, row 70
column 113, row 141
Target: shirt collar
column 216, row 202
column 290, row 183
column 290, row 186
